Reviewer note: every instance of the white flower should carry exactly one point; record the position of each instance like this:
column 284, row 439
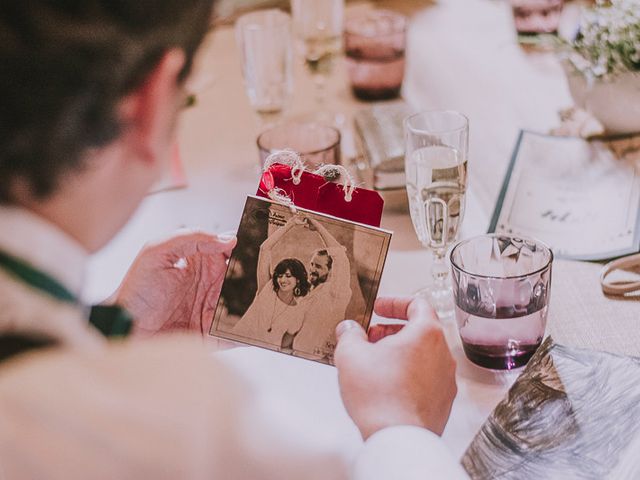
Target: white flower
column 608, row 42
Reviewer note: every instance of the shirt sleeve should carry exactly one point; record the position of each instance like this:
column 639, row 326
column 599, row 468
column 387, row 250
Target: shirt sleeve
column 407, row 453
column 162, row 409
column 340, row 273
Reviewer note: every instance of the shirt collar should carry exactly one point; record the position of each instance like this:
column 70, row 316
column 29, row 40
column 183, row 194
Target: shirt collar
column 44, row 246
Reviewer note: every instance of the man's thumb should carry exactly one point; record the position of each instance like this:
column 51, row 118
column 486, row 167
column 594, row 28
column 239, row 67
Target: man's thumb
column 350, row 329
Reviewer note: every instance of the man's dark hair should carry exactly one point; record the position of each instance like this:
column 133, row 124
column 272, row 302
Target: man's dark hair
column 325, row 253
column 299, row 272
column 65, row 65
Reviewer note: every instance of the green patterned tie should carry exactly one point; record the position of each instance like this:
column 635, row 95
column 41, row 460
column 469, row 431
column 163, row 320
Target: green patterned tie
column 111, row 320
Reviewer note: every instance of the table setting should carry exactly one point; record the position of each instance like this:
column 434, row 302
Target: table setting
column 425, row 104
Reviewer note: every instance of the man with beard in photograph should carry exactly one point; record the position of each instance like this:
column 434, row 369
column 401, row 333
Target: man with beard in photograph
column 330, row 277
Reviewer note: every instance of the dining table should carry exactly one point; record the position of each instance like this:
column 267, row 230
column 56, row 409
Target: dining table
column 461, row 55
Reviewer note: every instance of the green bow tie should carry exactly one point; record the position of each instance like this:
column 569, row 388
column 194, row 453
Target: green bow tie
column 111, row 320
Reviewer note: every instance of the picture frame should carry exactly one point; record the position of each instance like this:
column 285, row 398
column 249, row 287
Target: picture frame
column 294, row 275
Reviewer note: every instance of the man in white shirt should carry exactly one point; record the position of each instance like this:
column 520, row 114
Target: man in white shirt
column 91, row 91
column 330, row 277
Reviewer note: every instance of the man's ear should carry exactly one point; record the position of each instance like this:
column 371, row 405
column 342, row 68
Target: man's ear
column 149, row 112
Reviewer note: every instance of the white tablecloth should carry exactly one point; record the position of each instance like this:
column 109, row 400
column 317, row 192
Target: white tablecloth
column 462, row 55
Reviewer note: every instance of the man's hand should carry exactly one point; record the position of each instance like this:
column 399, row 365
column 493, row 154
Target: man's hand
column 407, row 378
column 175, row 284
column 379, row 331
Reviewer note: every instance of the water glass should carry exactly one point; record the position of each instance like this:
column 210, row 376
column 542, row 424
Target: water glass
column 374, row 45
column 316, row 143
column 264, row 38
column 501, row 287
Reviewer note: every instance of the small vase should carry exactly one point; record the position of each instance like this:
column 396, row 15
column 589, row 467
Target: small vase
column 614, row 102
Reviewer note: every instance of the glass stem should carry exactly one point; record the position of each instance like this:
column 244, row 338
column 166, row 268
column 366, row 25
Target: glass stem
column 439, row 269
column 320, row 83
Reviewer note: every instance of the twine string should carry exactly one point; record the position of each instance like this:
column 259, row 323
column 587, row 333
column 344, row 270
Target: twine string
column 292, row 159
column 285, row 157
column 332, row 172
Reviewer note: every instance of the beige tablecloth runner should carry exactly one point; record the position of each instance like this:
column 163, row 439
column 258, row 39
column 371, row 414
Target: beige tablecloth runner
column 581, row 315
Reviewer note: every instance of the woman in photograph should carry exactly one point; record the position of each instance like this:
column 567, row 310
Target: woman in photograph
column 277, row 312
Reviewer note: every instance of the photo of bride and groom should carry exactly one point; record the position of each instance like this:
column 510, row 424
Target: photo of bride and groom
column 294, row 275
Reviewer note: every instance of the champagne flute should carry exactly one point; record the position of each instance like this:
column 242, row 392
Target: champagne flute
column 318, row 26
column 436, row 177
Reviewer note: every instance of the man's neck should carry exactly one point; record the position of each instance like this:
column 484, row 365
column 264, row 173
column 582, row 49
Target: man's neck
column 41, row 244
column 69, row 223
column 91, row 206
column 317, row 285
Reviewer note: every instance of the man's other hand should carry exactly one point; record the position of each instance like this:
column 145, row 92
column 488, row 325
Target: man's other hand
column 175, row 284
column 407, row 378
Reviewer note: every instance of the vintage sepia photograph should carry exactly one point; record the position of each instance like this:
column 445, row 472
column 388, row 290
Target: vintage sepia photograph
column 294, row 275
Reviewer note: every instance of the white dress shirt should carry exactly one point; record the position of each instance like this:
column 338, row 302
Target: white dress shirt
column 159, row 408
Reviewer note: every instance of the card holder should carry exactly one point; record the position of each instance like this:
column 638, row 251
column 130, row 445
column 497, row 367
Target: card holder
column 330, row 190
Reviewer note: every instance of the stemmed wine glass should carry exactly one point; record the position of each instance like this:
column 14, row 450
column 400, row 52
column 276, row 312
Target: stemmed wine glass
column 264, row 38
column 318, row 26
column 436, row 176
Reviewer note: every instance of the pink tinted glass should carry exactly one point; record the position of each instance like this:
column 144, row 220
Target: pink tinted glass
column 501, row 287
column 374, row 44
column 316, row 143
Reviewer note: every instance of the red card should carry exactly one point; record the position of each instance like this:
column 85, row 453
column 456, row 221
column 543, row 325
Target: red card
column 317, row 194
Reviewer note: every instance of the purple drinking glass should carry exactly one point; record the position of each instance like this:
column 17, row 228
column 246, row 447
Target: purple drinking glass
column 316, row 143
column 374, row 45
column 501, row 287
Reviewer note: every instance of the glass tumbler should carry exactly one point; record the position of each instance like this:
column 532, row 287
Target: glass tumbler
column 264, row 38
column 374, row 45
column 316, row 143
column 501, row 287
